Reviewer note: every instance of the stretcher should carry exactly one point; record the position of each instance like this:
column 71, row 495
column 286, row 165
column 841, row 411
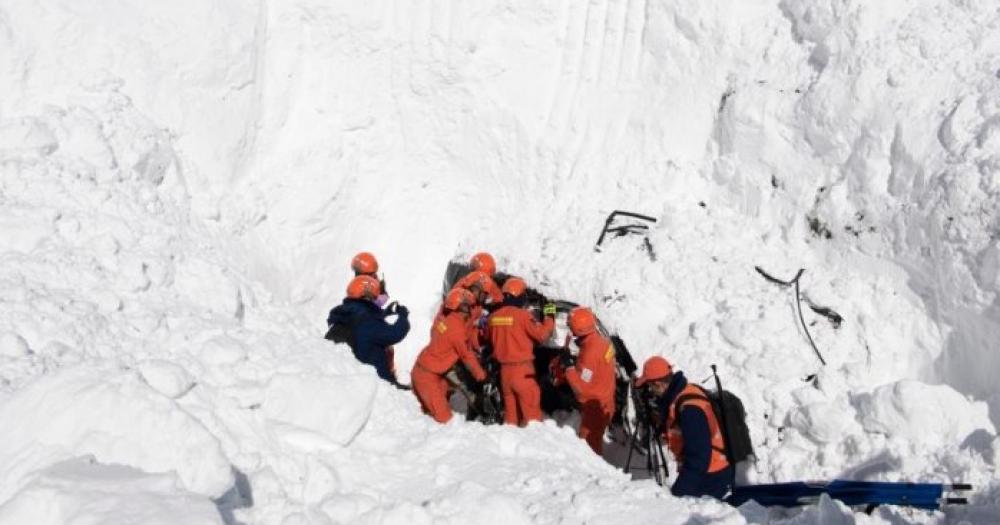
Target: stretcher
column 869, row 494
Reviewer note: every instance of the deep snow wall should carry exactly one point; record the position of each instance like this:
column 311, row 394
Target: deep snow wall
column 430, row 129
column 914, row 179
column 313, row 130
column 424, row 130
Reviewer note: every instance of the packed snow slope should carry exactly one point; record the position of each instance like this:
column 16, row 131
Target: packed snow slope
column 182, row 185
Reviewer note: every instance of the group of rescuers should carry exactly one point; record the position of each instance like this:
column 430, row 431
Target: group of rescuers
column 476, row 311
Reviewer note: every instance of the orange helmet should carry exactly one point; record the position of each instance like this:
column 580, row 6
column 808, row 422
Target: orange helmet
column 484, row 262
column 514, row 287
column 364, row 263
column 581, row 321
column 364, row 287
column 476, row 278
column 457, row 298
column 653, row 369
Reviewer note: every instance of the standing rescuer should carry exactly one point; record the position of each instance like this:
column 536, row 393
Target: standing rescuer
column 449, row 343
column 513, row 332
column 591, row 376
column 692, row 430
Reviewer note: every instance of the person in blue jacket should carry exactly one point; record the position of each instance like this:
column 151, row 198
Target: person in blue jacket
column 693, row 431
column 361, row 323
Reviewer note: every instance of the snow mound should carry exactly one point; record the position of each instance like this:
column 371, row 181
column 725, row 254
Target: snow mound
column 27, row 137
column 84, row 492
column 333, row 408
column 13, row 345
column 167, row 378
column 114, row 416
column 922, row 413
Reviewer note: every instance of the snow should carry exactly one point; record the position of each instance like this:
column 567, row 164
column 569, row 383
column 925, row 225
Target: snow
column 113, row 416
column 316, row 405
column 183, row 184
column 83, row 492
column 919, row 412
column 167, row 378
column 13, row 345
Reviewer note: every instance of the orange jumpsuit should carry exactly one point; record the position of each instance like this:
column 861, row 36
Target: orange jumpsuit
column 449, row 343
column 513, row 332
column 593, row 382
column 491, row 287
column 476, row 337
column 476, row 334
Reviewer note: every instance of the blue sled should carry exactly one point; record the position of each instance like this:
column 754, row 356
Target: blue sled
column 929, row 496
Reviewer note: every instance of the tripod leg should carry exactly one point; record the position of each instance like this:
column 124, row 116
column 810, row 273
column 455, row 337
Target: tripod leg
column 663, row 460
column 649, row 459
column 631, row 447
column 652, row 460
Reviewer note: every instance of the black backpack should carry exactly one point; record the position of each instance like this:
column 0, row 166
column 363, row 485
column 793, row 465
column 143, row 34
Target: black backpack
column 732, row 417
column 340, row 333
column 343, row 331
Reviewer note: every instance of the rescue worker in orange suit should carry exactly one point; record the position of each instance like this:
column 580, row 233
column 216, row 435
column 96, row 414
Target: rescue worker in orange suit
column 364, row 263
column 449, row 343
column 591, row 376
column 692, row 430
column 513, row 332
column 479, row 284
column 483, row 262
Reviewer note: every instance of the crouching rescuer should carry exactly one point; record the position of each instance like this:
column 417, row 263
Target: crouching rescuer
column 450, row 342
column 360, row 322
column 693, row 431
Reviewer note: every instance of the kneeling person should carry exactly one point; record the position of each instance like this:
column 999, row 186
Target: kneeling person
column 513, row 333
column 360, row 323
column 693, row 432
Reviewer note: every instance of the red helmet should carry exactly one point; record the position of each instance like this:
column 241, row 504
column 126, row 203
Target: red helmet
column 364, row 287
column 655, row 368
column 581, row 321
column 484, row 262
column 514, row 286
column 458, row 298
column 364, row 263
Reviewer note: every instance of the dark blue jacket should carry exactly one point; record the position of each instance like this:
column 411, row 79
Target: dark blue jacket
column 371, row 334
column 693, row 478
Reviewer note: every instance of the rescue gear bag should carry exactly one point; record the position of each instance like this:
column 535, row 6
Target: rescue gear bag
column 343, row 331
column 732, row 422
column 734, row 425
column 340, row 333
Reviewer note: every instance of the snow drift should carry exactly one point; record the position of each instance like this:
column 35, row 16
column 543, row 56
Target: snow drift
column 84, row 492
column 114, row 417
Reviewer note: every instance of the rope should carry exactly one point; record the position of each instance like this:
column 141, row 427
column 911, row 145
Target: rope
column 794, row 281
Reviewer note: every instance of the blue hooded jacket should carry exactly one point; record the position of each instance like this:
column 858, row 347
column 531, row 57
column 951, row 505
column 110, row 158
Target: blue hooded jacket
column 370, row 334
column 693, row 478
